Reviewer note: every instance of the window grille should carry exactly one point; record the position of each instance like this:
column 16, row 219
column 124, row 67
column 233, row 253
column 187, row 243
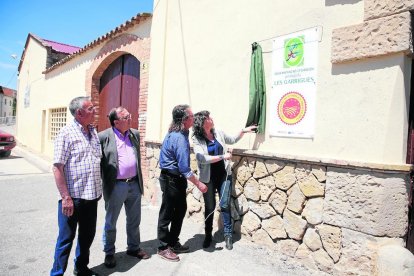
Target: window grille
column 57, row 120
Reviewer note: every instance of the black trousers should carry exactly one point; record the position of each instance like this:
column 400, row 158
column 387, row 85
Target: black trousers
column 173, row 209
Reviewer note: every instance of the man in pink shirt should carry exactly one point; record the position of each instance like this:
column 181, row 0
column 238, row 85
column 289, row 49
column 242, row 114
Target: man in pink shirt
column 122, row 183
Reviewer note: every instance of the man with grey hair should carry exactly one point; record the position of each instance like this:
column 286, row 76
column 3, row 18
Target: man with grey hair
column 76, row 167
column 122, row 183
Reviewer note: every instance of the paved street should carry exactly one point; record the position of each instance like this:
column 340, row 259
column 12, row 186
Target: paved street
column 28, row 232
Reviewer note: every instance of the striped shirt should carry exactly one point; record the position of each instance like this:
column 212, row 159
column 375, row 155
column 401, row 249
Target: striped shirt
column 81, row 156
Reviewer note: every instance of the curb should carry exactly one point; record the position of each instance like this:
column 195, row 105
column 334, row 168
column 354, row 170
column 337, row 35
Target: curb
column 40, row 162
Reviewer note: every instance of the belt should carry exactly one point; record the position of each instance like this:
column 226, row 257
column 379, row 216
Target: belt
column 127, row 180
column 169, row 173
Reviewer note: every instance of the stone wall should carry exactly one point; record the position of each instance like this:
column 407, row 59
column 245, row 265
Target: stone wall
column 330, row 218
column 387, row 29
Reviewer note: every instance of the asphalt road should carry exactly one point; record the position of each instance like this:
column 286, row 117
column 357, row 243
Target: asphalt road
column 28, row 232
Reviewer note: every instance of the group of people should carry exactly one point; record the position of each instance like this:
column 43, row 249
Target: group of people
column 88, row 164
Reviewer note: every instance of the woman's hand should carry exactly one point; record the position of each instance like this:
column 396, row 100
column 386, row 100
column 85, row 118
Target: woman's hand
column 227, row 156
column 249, row 129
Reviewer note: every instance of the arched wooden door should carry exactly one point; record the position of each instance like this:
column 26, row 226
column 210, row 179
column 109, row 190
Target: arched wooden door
column 119, row 87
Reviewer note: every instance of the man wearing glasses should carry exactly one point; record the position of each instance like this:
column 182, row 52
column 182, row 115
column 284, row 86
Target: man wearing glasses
column 76, row 167
column 122, row 183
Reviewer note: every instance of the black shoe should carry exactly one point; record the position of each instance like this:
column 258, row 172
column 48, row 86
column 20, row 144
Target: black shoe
column 179, row 248
column 110, row 261
column 207, row 240
column 229, row 242
column 84, row 272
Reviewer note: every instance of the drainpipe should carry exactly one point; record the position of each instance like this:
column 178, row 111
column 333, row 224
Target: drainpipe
column 161, row 131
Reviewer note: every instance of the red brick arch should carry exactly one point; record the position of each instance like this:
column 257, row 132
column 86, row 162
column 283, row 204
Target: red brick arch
column 116, row 47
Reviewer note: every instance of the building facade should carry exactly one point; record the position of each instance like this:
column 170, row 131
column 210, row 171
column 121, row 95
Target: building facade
column 333, row 199
column 7, row 102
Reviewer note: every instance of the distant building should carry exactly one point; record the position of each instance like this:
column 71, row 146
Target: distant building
column 7, row 102
column 112, row 70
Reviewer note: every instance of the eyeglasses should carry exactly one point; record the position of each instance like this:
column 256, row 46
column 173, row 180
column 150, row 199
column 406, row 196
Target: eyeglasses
column 126, row 117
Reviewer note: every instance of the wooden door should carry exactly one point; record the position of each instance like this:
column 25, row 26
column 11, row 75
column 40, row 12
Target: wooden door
column 119, row 87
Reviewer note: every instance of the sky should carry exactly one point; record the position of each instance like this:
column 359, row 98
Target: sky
column 75, row 22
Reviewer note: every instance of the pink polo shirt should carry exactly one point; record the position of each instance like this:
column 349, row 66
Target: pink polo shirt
column 127, row 163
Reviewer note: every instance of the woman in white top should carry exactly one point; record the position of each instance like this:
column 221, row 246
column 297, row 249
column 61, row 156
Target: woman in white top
column 213, row 160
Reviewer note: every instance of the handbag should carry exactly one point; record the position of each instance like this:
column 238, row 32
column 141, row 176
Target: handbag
column 225, row 193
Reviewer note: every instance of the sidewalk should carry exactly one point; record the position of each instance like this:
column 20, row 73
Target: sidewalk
column 245, row 259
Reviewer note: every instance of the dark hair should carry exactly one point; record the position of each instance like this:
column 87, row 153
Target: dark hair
column 113, row 114
column 76, row 104
column 199, row 119
column 179, row 115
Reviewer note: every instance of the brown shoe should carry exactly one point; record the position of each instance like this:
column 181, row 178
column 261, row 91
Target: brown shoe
column 140, row 254
column 168, row 254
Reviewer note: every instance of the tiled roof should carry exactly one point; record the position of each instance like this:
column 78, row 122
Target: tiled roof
column 128, row 24
column 75, row 51
column 8, row 92
column 60, row 47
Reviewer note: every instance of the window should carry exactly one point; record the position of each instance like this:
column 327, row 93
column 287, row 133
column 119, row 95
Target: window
column 57, row 120
column 5, row 101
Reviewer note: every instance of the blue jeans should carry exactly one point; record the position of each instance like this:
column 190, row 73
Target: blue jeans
column 84, row 215
column 130, row 195
column 216, row 181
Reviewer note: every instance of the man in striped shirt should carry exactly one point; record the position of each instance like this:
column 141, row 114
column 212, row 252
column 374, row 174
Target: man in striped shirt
column 76, row 167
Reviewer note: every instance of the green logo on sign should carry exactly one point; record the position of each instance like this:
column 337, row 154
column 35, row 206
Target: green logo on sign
column 293, row 55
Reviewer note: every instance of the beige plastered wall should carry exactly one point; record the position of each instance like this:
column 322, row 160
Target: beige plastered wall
column 200, row 55
column 54, row 89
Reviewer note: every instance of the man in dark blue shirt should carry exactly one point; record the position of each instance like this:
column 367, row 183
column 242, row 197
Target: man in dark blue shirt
column 175, row 171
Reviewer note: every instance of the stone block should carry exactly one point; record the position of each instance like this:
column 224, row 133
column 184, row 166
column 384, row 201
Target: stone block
column 323, row 261
column 278, row 201
column 377, row 37
column 295, row 226
column 274, row 227
column 311, row 187
column 273, row 166
column 369, row 202
column 242, row 205
column 251, row 190
column 380, row 8
column 296, row 200
column 395, row 260
column 251, row 223
column 285, row 178
column 312, row 239
column 359, row 252
column 303, row 254
column 331, row 239
column 260, row 170
column 319, row 172
column 287, row 247
column 267, row 186
column 262, row 237
column 237, row 189
column 313, row 210
column 263, row 210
